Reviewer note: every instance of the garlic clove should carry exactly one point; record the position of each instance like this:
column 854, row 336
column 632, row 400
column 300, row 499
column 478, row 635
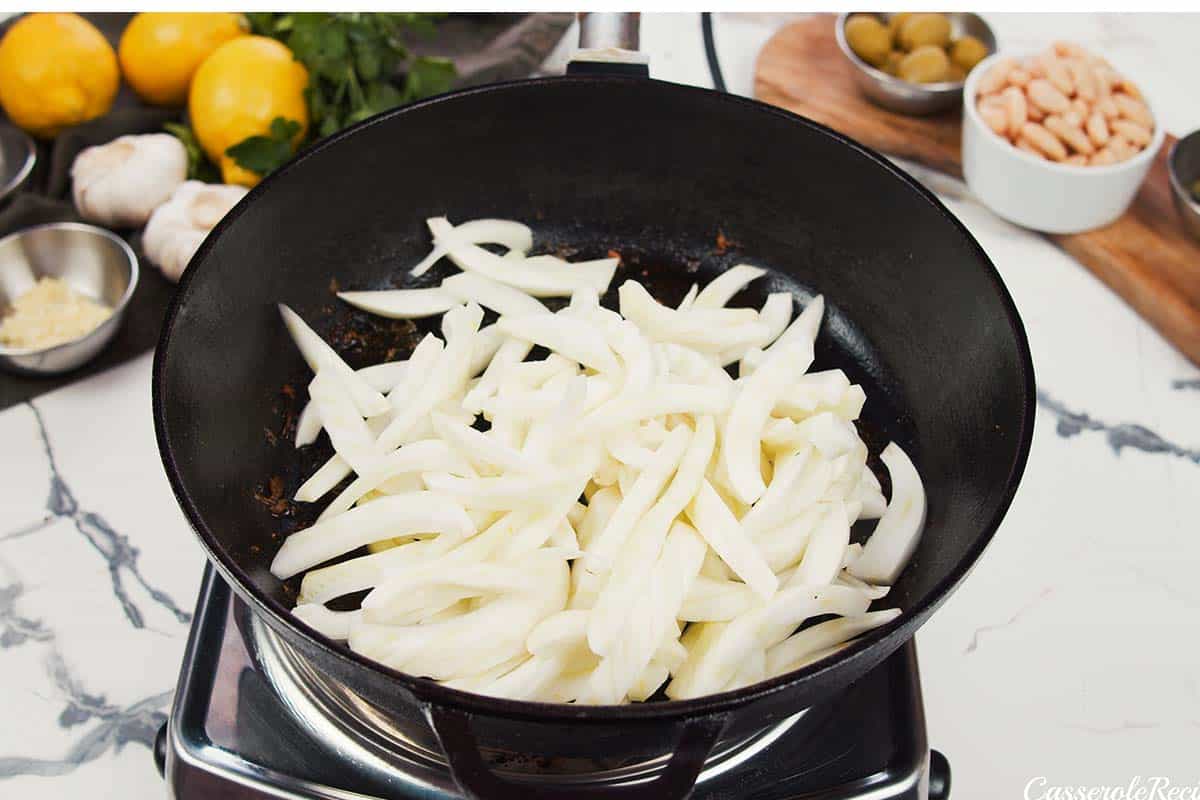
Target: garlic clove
column 208, row 208
column 119, row 184
column 178, row 227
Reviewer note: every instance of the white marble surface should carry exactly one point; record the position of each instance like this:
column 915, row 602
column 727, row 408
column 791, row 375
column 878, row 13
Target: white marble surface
column 1071, row 653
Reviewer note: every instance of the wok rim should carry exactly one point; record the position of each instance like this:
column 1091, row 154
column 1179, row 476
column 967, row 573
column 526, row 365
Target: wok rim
column 866, row 648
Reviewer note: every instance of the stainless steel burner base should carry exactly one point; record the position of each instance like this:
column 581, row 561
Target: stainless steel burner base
column 333, row 713
column 251, row 721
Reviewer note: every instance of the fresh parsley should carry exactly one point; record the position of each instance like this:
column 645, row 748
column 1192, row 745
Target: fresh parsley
column 199, row 168
column 263, row 154
column 358, row 66
column 358, row 63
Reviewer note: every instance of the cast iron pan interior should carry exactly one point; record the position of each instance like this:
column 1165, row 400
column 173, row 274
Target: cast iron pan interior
column 917, row 313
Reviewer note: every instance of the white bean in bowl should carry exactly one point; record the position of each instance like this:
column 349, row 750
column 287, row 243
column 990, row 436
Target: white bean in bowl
column 1035, row 179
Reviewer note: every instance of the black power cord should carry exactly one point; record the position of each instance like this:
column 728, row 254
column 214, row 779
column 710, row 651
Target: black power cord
column 710, row 51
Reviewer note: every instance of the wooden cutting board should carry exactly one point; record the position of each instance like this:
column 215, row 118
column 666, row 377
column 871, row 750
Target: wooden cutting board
column 1145, row 256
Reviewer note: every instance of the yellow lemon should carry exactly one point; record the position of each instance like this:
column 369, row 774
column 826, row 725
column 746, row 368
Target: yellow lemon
column 238, row 90
column 161, row 51
column 56, row 70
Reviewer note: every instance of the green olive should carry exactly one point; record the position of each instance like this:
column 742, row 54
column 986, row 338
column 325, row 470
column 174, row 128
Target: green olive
column 923, row 29
column 892, row 65
column 895, row 22
column 926, row 64
column 868, row 39
column 967, row 52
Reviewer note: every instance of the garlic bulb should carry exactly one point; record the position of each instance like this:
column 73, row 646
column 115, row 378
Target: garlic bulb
column 178, row 226
column 120, row 183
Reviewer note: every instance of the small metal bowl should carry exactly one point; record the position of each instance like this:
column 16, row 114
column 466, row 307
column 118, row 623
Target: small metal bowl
column 93, row 261
column 18, row 154
column 894, row 94
column 1183, row 165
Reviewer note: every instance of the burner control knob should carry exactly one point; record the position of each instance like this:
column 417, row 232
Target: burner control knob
column 160, row 750
column 939, row 776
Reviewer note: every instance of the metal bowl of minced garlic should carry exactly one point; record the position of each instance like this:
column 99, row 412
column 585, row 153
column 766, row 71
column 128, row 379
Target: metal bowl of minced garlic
column 64, row 288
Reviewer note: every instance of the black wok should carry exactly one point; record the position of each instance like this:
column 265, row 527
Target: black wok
column 917, row 315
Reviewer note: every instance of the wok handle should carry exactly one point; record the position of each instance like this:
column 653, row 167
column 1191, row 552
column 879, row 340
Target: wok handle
column 608, row 45
column 477, row 780
column 601, row 29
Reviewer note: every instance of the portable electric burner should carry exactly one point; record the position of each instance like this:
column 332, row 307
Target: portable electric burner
column 248, row 722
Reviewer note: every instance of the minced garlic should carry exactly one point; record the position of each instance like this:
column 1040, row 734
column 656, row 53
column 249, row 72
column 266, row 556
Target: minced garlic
column 50, row 313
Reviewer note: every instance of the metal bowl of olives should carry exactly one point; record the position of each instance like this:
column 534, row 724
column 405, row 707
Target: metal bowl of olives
column 1183, row 165
column 913, row 63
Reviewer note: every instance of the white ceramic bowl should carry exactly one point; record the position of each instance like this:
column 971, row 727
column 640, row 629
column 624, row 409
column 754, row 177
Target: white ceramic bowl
column 1040, row 194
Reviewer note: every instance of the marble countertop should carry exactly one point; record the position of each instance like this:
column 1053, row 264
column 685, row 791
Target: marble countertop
column 1069, row 656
